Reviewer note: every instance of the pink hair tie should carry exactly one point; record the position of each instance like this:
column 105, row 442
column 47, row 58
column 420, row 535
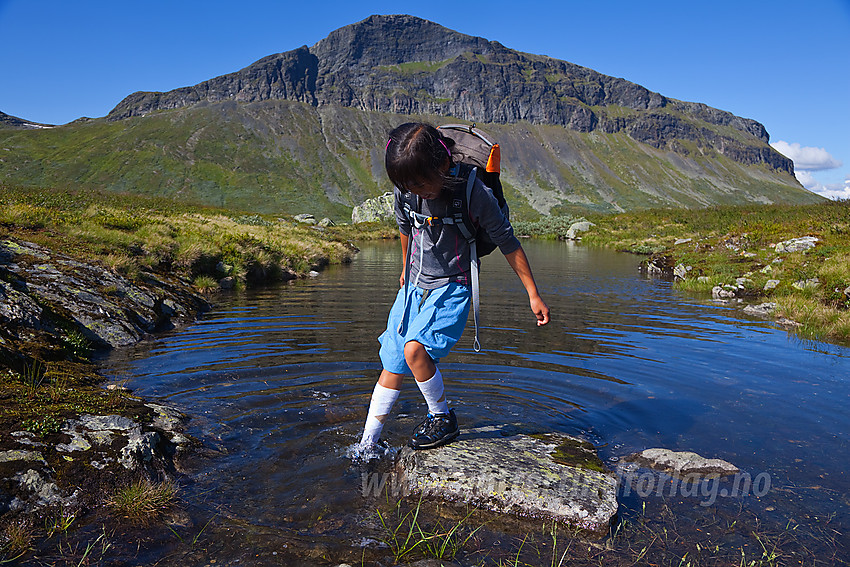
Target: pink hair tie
column 388, row 144
column 447, row 148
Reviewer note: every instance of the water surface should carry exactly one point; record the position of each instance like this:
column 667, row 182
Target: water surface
column 278, row 382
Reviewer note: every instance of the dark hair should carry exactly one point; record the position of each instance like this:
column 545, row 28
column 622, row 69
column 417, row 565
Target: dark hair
column 416, row 152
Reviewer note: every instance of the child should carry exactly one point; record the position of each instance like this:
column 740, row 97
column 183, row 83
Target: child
column 426, row 322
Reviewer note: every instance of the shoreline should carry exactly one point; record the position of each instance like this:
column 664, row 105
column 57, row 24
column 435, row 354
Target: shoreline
column 162, row 300
column 71, row 449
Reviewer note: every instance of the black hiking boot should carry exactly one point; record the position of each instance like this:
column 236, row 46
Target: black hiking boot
column 436, row 430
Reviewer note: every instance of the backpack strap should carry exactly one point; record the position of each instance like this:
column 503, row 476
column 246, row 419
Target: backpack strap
column 459, row 216
column 473, row 258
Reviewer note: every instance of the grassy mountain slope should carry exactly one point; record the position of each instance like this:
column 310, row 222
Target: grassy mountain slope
column 279, row 156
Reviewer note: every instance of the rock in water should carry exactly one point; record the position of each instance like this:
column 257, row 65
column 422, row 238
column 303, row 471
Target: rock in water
column 682, row 463
column 550, row 477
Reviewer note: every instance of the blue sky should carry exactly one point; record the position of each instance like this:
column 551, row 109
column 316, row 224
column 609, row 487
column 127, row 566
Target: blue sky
column 784, row 63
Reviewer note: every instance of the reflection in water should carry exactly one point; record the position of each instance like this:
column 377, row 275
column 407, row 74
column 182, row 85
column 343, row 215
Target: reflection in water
column 279, row 380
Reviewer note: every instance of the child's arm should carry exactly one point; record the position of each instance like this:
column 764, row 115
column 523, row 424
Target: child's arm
column 404, row 240
column 519, row 262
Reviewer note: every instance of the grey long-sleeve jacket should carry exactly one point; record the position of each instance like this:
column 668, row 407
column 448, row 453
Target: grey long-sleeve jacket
column 443, row 251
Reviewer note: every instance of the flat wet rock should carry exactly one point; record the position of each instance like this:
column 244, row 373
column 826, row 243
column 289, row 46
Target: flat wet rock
column 550, row 477
column 682, row 463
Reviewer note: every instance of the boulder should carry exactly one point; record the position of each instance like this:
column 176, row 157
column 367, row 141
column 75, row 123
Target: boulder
column 40, row 285
column 305, row 218
column 682, row 463
column 550, row 476
column 374, row 210
column 771, row 284
column 796, row 244
column 576, row 227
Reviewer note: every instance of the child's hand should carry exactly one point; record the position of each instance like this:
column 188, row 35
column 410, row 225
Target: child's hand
column 541, row 310
column 401, row 279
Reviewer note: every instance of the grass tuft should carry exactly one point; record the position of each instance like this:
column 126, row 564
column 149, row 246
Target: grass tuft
column 143, row 501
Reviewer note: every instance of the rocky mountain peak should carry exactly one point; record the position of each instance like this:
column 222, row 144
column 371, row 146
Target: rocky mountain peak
column 406, row 65
column 392, row 40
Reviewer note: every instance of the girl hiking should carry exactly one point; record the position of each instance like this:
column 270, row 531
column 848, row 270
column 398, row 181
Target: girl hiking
column 430, row 311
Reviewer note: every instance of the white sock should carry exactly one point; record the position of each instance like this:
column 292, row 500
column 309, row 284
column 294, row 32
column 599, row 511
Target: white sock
column 435, row 395
column 380, row 406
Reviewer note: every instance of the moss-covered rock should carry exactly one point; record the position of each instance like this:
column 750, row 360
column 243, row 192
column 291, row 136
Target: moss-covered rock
column 550, row 476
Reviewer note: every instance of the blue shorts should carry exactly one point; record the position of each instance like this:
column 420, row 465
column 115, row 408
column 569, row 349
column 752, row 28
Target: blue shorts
column 437, row 324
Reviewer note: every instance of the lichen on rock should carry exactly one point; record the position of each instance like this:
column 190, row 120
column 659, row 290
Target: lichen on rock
column 550, row 476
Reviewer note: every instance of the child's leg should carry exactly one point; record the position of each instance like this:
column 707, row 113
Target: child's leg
column 427, row 376
column 383, row 397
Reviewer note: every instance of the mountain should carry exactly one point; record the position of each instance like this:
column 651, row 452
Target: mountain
column 14, row 123
column 303, row 131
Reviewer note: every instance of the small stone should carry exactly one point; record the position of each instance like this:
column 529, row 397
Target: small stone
column 771, row 284
column 326, row 222
column 166, row 418
column 227, row 283
column 806, row 284
column 721, row 292
column 762, row 309
column 140, row 448
column 313, row 274
column 98, row 422
column 682, row 241
column 18, row 455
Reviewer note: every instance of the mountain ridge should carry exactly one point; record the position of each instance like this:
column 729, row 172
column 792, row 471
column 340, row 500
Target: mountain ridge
column 472, row 78
column 304, row 130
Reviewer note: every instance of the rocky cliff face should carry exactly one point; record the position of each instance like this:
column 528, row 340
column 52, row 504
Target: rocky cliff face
column 406, row 65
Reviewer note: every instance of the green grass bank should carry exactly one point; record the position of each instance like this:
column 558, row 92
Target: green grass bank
column 736, row 247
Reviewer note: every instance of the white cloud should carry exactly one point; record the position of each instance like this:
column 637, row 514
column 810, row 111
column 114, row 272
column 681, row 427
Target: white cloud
column 829, row 190
column 807, row 158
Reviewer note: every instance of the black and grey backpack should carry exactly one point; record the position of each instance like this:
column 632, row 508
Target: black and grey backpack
column 475, row 156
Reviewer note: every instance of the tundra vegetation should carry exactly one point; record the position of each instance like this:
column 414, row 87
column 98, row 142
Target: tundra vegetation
column 133, row 234
column 736, row 246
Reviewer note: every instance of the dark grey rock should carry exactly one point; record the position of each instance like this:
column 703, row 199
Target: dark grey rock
column 107, row 308
column 167, row 418
column 140, row 448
